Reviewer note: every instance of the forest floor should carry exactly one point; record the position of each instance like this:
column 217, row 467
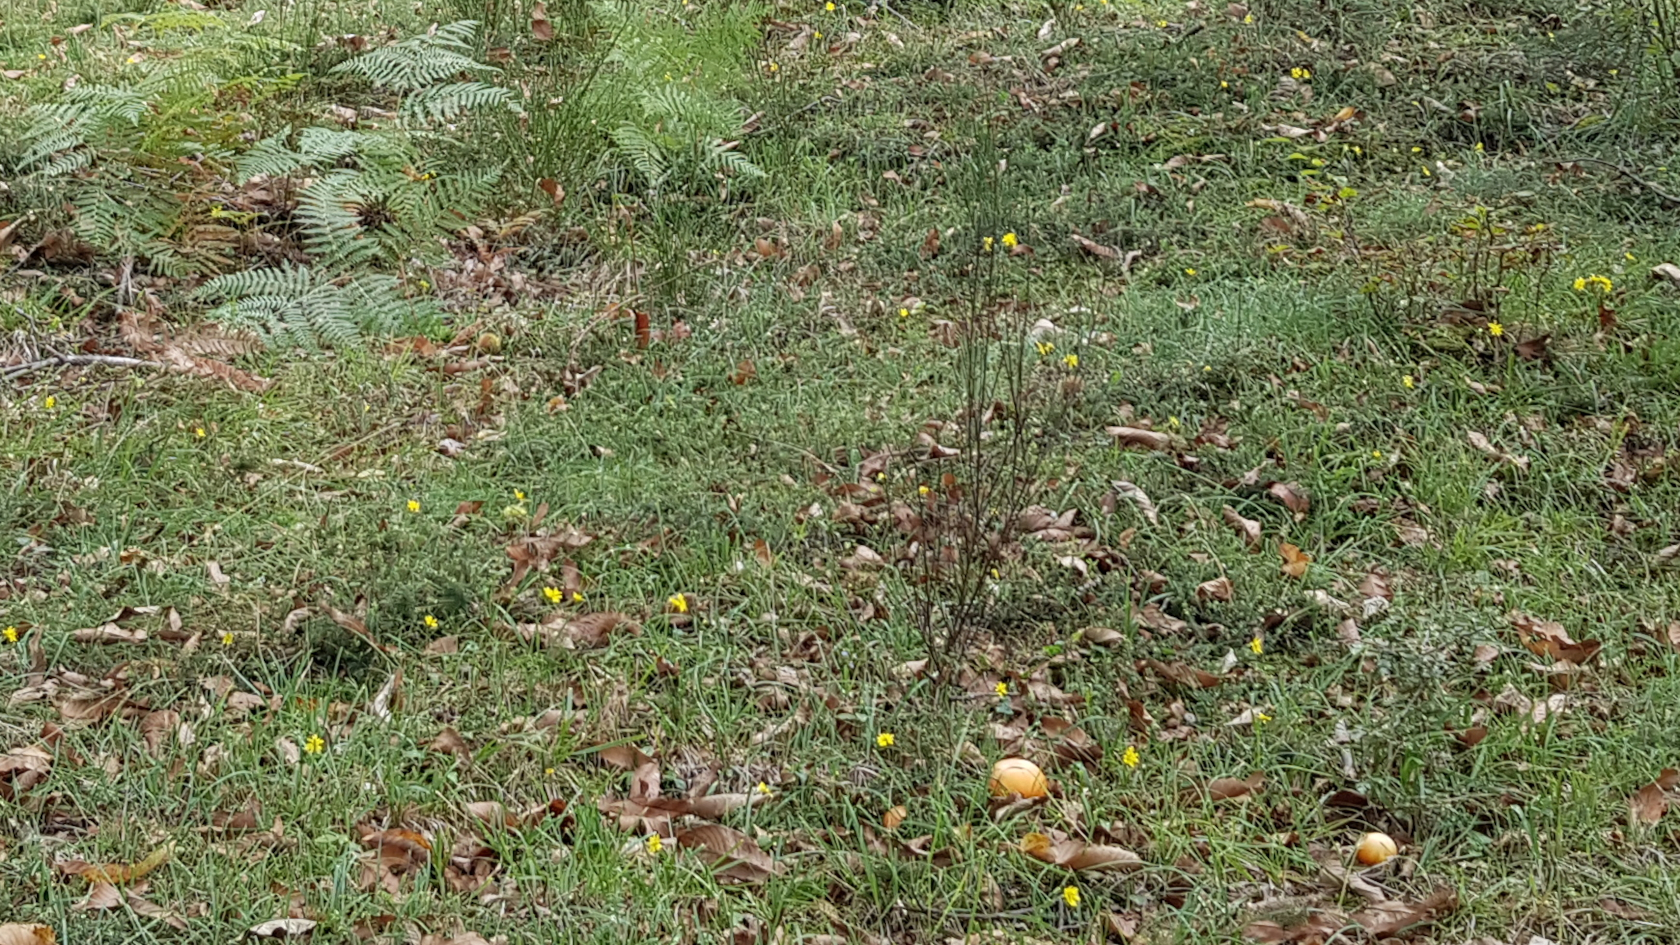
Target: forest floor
column 668, row 452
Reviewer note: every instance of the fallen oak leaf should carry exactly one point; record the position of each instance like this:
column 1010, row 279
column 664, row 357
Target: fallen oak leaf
column 1145, row 506
column 1058, row 849
column 16, row 933
column 1485, row 446
column 1218, row 589
column 283, row 929
column 1181, row 674
column 1549, row 638
column 101, row 896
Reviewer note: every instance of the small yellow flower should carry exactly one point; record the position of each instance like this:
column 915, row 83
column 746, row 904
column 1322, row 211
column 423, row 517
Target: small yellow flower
column 198, row 432
column 1301, row 73
column 549, row 772
column 762, row 789
column 553, row 594
column 414, row 505
column 923, row 491
column 1495, row 329
column 1376, row 454
column 1257, row 645
column 986, row 244
column 1071, row 360
column 40, row 55
column 518, row 496
column 430, row 622
column 1407, row 381
column 880, row 477
column 654, row 843
column 1261, row 717
column 885, row 740
column 1597, row 283
column 314, row 745
column 996, row 576
column 227, row 638
column 133, row 59
column 1002, row 689
column 1070, row 895
column 1172, row 421
column 10, row 633
column 903, row 313
column 1580, row 283
column 829, row 6
column 1044, row 348
column 577, row 597
column 1249, row 18
column 774, row 67
column 50, row 402
column 678, row 602
column 1224, row 84
column 1630, row 257
column 1131, row 758
column 1009, row 240
column 1479, row 148
column 1416, row 149
column 817, row 35
column 1189, row 272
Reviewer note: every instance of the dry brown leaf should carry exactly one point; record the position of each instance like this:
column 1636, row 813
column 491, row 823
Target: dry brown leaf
column 1247, row 528
column 895, row 816
column 623, row 757
column 1295, row 560
column 1104, row 636
column 1181, row 674
column 732, row 855
column 118, row 874
column 288, row 929
column 1650, row 802
column 1058, row 849
column 156, row 728
column 1141, row 499
column 1141, row 438
column 1549, row 638
column 1293, row 497
column 100, row 896
column 443, row 646
column 1219, row 589
column 542, row 27
column 1226, row 789
column 151, row 910
column 1485, row 446
column 109, row 633
column 1384, row 919
column 14, row 933
column 1153, row 617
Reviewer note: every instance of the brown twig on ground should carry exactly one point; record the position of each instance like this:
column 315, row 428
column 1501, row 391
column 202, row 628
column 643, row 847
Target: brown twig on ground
column 111, row 360
column 1667, row 198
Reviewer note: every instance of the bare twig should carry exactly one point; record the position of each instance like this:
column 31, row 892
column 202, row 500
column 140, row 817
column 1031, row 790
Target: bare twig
column 109, row 360
column 1667, row 198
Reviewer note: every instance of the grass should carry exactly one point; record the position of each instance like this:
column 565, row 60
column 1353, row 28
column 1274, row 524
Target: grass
column 1341, row 338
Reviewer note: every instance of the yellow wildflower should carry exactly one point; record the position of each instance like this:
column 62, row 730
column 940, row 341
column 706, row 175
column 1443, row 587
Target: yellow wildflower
column 923, row 490
column 1300, row 73
column 1261, row 717
column 314, row 745
column 577, row 597
column 678, row 602
column 414, row 505
column 50, row 402
column 654, row 843
column 829, row 6
column 1189, row 272
column 1407, row 381
column 1495, row 329
column 10, row 633
column 1071, row 360
column 198, row 432
column 518, row 496
column 1070, row 895
column 227, row 638
column 1009, row 240
column 430, row 622
column 553, row 594
column 1376, row 454
column 1257, row 645
column 762, row 789
column 885, row 740
column 1131, row 758
column 1044, row 348
column 986, row 244
column 903, row 313
column 1002, row 689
